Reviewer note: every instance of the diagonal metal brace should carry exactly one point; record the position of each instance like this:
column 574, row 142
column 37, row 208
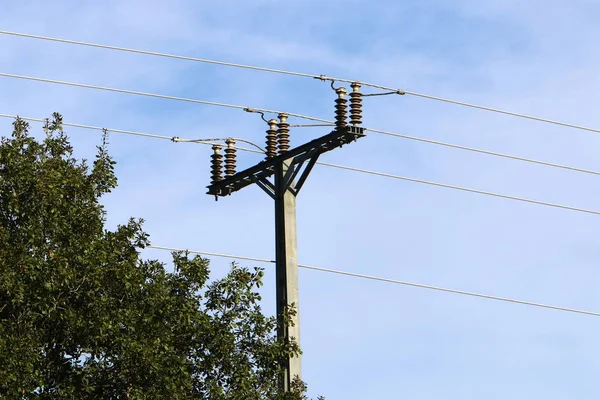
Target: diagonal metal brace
column 305, row 173
column 266, row 168
column 293, row 169
column 265, row 185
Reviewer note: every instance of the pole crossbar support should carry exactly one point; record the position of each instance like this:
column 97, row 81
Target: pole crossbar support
column 267, row 168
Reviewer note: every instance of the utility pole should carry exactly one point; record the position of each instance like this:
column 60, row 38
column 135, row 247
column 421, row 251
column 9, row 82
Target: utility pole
column 289, row 170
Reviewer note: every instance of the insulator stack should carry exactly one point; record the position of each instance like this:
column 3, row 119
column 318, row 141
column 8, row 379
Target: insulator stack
column 272, row 139
column 283, row 134
column 216, row 164
column 230, row 157
column 355, row 104
column 340, row 108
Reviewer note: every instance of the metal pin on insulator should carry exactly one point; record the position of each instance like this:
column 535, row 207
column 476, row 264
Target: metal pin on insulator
column 230, row 157
column 272, row 138
column 283, row 133
column 355, row 104
column 340, row 108
column 216, row 164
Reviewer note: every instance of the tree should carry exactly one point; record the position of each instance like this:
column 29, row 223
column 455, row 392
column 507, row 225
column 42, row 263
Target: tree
column 82, row 316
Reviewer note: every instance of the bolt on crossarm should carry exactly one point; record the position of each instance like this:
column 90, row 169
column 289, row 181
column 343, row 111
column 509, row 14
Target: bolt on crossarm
column 281, row 175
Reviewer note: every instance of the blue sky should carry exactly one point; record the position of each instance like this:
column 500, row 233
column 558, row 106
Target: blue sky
column 362, row 339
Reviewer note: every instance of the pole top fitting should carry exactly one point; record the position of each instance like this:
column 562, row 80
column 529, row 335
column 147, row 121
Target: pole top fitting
column 282, row 117
column 341, row 92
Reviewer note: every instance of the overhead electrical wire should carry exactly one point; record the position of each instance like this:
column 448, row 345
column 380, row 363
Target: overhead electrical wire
column 304, row 75
column 212, row 141
column 307, row 117
column 160, row 96
column 155, row 53
column 388, row 280
column 511, row 113
column 136, row 133
column 365, row 171
column 464, row 189
column 487, row 152
column 97, row 128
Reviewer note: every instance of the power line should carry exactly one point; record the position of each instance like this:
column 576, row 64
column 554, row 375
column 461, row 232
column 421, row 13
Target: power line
column 97, row 128
column 365, row 171
column 487, row 152
column 213, row 140
column 175, row 139
column 375, row 278
column 304, row 75
column 160, row 96
column 464, row 189
column 496, row 110
column 155, row 53
column 327, row 122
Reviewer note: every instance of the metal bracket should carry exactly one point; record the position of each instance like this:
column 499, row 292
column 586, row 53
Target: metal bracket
column 294, row 168
column 307, row 169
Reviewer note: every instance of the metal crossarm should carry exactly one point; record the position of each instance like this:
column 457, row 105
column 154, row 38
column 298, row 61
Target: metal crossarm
column 265, row 169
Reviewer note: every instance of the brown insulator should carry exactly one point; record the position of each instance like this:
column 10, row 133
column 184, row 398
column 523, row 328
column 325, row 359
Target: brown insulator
column 216, row 164
column 355, row 104
column 272, row 138
column 230, row 157
column 283, row 134
column 340, row 108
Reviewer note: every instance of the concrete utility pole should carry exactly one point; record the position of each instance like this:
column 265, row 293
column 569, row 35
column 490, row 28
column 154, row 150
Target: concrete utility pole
column 289, row 169
column 286, row 266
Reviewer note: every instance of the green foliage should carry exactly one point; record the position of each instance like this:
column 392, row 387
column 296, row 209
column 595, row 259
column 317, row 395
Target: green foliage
column 83, row 317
